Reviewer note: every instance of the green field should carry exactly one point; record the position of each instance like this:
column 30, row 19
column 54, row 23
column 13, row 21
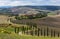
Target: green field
column 15, row 36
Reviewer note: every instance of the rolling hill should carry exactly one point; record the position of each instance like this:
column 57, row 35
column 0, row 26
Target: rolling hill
column 51, row 21
column 26, row 9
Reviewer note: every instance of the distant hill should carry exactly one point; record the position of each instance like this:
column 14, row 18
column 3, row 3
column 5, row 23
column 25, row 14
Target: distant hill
column 27, row 9
column 43, row 7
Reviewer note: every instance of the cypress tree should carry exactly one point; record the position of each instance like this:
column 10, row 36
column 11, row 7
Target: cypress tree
column 44, row 31
column 18, row 29
column 34, row 27
column 41, row 32
column 35, row 32
column 27, row 29
column 31, row 32
column 38, row 31
column 54, row 33
column 51, row 32
column 15, row 29
column 47, row 31
column 58, row 34
column 23, row 29
column 27, row 26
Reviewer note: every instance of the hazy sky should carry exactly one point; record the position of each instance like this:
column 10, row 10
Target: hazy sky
column 28, row 2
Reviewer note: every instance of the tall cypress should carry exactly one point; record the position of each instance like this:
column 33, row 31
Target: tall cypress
column 58, row 34
column 23, row 29
column 44, row 31
column 27, row 29
column 47, row 31
column 54, row 33
column 35, row 32
column 41, row 32
column 31, row 32
column 15, row 29
column 31, row 26
column 51, row 32
column 38, row 31
column 34, row 26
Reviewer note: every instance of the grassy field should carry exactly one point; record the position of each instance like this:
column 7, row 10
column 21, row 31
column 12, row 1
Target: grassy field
column 13, row 35
column 16, row 36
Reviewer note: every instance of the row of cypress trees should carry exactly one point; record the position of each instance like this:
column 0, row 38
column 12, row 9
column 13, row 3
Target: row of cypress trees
column 35, row 30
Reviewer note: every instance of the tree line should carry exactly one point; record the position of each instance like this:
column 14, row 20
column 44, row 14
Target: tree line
column 32, row 16
column 34, row 30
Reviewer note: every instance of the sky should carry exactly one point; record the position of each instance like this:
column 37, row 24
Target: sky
column 29, row 2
